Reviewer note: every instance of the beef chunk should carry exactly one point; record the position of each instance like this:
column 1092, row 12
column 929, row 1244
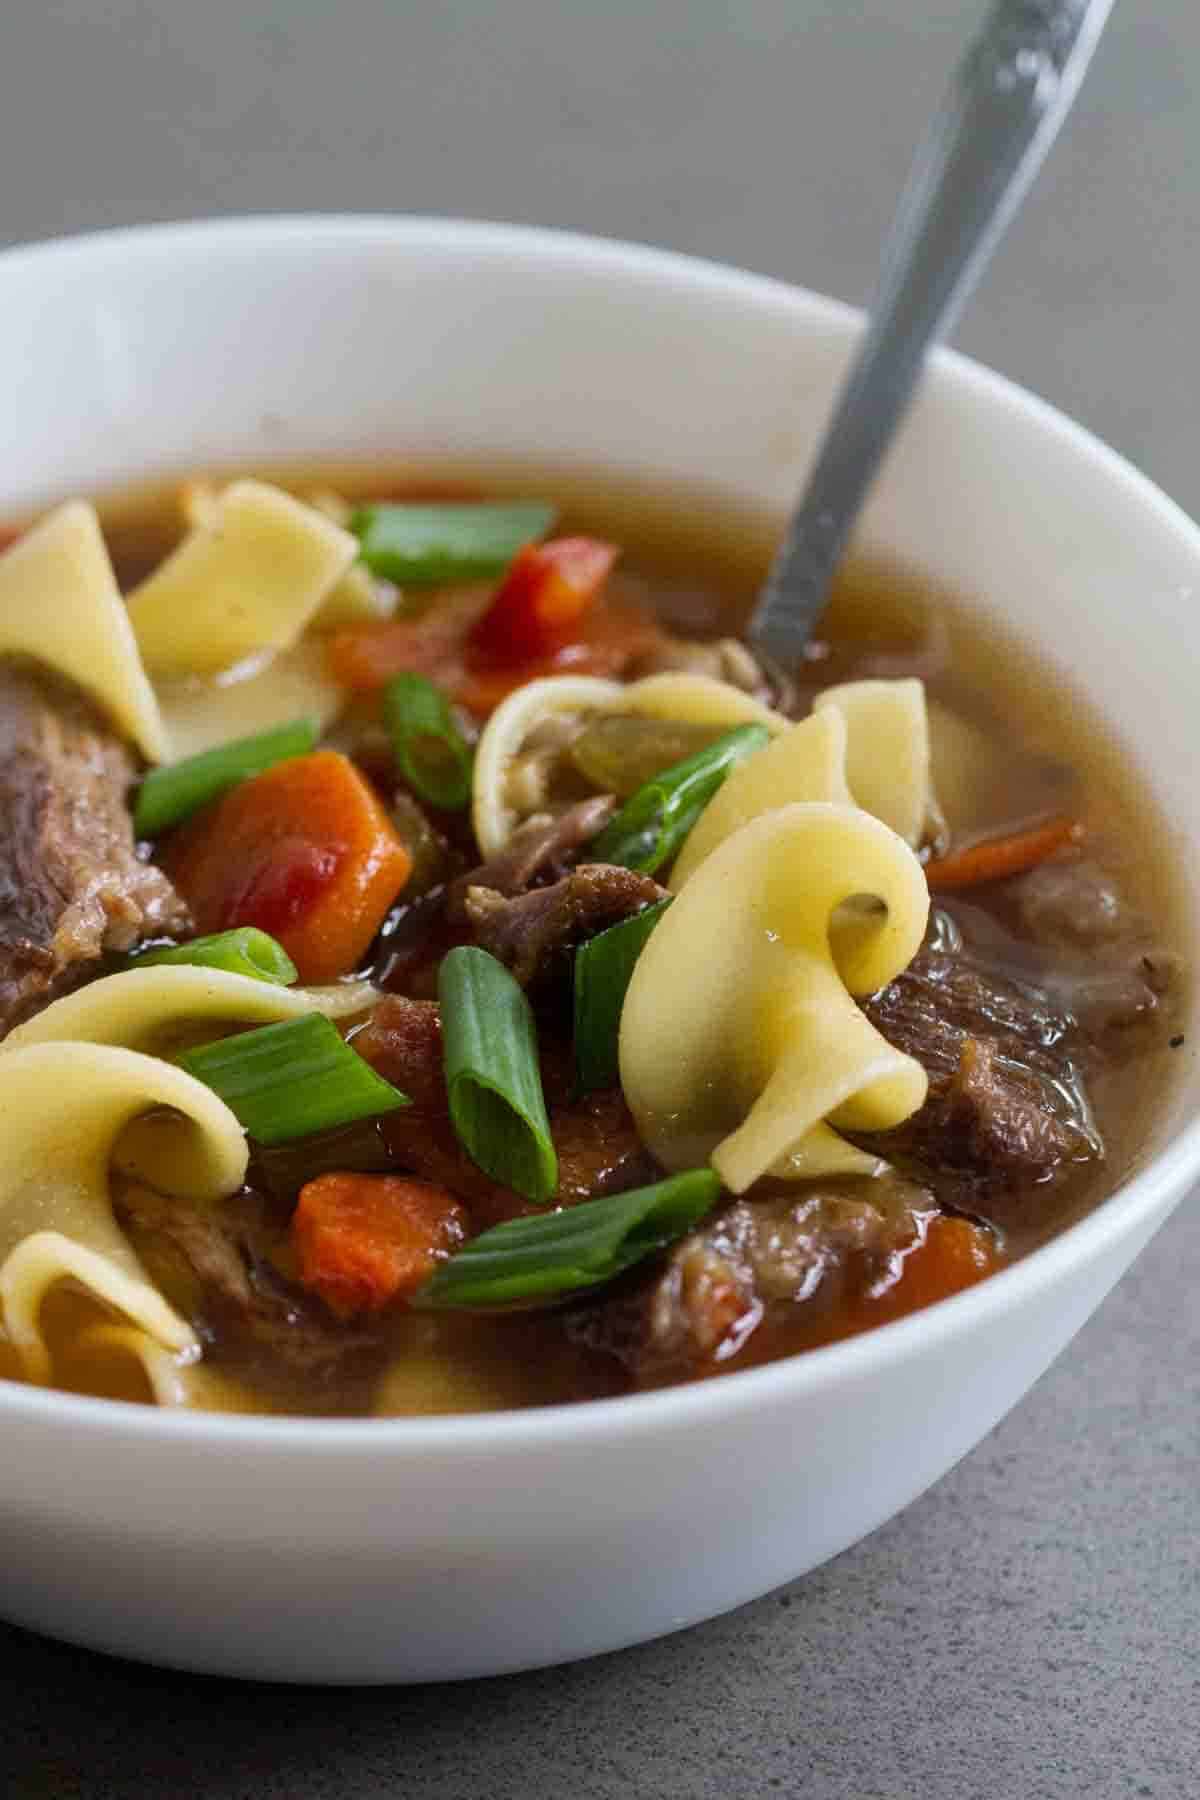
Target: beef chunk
column 1000, row 1127
column 243, row 1309
column 716, row 1286
column 1094, row 953
column 599, row 1151
column 1007, row 1109
column 534, row 933
column 544, row 847
column 1083, row 949
column 402, row 1040
column 71, row 884
column 1071, row 904
column 955, row 988
column 598, row 1148
column 1122, row 1002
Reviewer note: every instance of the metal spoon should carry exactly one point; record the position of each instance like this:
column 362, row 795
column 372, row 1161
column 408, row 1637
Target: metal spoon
column 1006, row 101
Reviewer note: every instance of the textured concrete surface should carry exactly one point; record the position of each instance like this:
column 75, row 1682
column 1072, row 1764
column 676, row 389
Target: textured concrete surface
column 1030, row 1628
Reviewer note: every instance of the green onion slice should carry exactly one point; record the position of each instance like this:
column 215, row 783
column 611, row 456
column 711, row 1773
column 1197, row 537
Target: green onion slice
column 603, row 967
column 650, row 828
column 436, row 546
column 169, row 794
column 431, row 752
column 492, row 1076
column 246, row 951
column 579, row 1247
column 289, row 1080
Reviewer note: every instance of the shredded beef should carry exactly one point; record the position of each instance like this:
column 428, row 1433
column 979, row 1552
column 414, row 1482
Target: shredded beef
column 598, row 1148
column 71, row 884
column 245, row 1311
column 724, row 659
column 541, row 849
column 953, row 990
column 1007, row 1111
column 534, row 933
column 716, row 1286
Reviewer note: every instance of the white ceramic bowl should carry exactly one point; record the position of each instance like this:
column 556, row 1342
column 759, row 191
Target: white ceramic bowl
column 373, row 1551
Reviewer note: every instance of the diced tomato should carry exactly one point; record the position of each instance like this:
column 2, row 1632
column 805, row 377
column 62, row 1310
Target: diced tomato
column 608, row 638
column 304, row 851
column 543, row 598
column 364, row 1242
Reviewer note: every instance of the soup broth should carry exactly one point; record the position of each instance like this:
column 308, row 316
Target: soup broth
column 1012, row 745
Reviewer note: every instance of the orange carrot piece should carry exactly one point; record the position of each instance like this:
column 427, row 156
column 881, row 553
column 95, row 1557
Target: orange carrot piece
column 363, row 1242
column 955, row 1255
column 305, row 851
column 995, row 858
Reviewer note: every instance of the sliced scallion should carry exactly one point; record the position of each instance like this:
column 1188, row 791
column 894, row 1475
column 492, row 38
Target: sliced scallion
column 436, row 546
column 431, row 752
column 559, row 1253
column 650, row 828
column 169, row 794
column 245, row 951
column 493, row 1079
column 603, row 966
column 292, row 1079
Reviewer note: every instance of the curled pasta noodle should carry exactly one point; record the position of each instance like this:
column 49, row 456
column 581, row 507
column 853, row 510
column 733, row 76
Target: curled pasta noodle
column 504, row 735
column 740, row 1040
column 246, row 580
column 688, row 699
column 59, row 602
column 805, row 762
column 695, row 700
column 177, row 1378
column 865, row 744
column 296, row 684
column 887, row 750
column 149, row 1010
column 67, row 1107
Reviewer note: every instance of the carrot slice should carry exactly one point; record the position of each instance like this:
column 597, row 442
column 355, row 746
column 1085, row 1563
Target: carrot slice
column 955, row 1255
column 995, row 858
column 305, row 851
column 363, row 1242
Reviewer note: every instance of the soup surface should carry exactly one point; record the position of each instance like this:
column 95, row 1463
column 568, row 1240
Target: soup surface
column 506, row 990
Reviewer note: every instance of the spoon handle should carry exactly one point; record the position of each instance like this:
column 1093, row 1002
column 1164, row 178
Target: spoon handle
column 1007, row 99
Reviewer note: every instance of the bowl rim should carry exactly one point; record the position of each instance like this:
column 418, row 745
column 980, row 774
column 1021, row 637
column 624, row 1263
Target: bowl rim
column 1136, row 1197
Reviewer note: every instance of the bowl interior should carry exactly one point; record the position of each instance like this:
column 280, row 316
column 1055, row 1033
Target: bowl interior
column 136, row 354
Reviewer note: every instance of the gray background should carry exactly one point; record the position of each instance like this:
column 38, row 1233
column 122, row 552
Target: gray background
column 1029, row 1628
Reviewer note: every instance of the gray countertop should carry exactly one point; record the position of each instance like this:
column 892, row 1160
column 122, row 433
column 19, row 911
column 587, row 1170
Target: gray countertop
column 1029, row 1628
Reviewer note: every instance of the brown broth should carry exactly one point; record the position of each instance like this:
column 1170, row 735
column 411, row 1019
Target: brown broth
column 702, row 560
